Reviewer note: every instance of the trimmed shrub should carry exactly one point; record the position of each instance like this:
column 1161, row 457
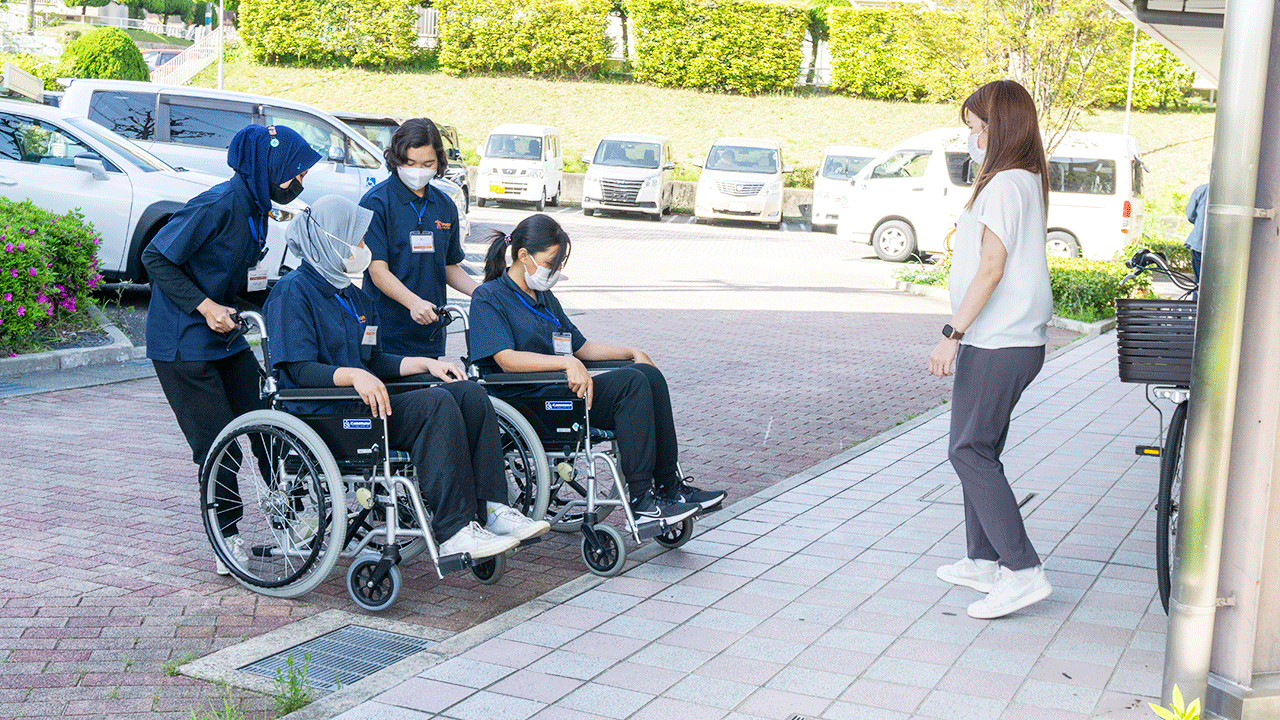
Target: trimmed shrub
column 367, row 33
column 559, row 38
column 747, row 46
column 877, row 53
column 1178, row 255
column 1086, row 290
column 106, row 53
column 48, row 265
column 37, row 65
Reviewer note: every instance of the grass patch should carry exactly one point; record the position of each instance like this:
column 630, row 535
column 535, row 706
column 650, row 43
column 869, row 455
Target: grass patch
column 293, row 688
column 66, row 32
column 1176, row 145
column 172, row 665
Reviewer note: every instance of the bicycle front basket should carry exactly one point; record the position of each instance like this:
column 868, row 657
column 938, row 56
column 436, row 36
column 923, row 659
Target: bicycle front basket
column 1154, row 339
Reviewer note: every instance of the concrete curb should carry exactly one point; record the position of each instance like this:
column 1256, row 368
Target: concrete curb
column 1086, row 329
column 120, row 350
column 342, row 700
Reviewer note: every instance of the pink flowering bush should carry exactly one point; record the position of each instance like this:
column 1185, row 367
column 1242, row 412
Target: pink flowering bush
column 48, row 265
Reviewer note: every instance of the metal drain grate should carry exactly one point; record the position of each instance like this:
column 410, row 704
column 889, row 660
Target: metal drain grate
column 344, row 656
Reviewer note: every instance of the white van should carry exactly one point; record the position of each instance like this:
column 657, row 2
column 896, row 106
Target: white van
column 741, row 179
column 521, row 163
column 630, row 172
column 831, row 181
column 907, row 200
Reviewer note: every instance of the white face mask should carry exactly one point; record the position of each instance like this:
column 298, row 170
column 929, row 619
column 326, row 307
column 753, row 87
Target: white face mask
column 978, row 154
column 542, row 278
column 354, row 266
column 415, row 178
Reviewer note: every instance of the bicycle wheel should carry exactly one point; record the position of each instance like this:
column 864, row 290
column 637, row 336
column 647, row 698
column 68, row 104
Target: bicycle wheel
column 1167, row 502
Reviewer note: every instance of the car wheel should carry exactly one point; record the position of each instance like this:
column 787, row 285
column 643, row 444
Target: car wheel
column 894, row 241
column 541, row 204
column 1061, row 243
column 656, row 217
column 555, row 199
column 466, row 199
column 774, row 226
column 479, row 202
column 588, row 212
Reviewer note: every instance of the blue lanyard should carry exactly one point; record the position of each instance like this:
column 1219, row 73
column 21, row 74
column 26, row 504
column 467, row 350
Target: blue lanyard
column 532, row 309
column 258, row 235
column 348, row 309
column 420, row 212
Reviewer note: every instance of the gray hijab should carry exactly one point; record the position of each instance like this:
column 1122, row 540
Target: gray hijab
column 324, row 234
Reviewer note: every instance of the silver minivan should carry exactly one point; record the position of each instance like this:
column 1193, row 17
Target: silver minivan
column 629, row 172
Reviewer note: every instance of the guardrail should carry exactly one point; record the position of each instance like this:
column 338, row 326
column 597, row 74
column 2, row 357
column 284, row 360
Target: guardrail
column 189, row 62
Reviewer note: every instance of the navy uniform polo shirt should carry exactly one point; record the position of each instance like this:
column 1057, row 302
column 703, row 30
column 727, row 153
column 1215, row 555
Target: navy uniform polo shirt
column 397, row 212
column 503, row 317
column 215, row 243
column 308, row 320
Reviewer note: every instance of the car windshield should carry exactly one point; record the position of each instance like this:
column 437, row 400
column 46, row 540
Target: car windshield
column 622, row 153
column 515, row 147
column 843, row 167
column 378, row 133
column 743, row 159
column 144, row 160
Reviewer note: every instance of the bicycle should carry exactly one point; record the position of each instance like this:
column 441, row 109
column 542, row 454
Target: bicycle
column 1154, row 343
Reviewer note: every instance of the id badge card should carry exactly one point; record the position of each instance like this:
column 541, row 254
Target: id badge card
column 563, row 343
column 422, row 242
column 257, row 278
column 370, row 335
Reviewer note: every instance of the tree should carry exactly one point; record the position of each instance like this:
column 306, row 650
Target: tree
column 165, row 8
column 85, row 4
column 819, row 31
column 1065, row 52
column 1160, row 79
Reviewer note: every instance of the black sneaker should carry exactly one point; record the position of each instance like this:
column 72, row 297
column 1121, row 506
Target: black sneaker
column 647, row 508
column 686, row 493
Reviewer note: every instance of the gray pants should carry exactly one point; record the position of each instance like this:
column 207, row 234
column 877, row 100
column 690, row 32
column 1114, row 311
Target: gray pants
column 987, row 386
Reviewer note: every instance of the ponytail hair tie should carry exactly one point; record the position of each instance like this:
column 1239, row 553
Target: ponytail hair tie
column 508, row 240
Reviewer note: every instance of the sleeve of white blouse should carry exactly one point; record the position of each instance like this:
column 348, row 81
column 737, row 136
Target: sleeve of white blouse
column 1000, row 208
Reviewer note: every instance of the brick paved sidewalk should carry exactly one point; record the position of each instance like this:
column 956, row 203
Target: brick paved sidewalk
column 818, row 597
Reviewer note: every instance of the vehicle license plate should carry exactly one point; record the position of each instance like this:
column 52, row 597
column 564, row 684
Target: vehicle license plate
column 738, row 206
column 497, row 189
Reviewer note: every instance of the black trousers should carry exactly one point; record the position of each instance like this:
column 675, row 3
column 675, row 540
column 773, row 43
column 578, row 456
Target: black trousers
column 988, row 384
column 635, row 404
column 206, row 396
column 451, row 434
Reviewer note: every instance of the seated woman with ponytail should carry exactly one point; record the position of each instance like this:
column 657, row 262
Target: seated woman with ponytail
column 518, row 326
column 324, row 333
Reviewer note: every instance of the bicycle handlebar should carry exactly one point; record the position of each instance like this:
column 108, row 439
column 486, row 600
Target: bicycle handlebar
column 1144, row 260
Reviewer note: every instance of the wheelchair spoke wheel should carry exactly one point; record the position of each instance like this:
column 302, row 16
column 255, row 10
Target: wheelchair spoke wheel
column 489, row 570
column 410, row 547
column 608, row 558
column 576, row 489
column 267, row 505
column 1167, row 499
column 676, row 535
column 370, row 595
column 528, row 475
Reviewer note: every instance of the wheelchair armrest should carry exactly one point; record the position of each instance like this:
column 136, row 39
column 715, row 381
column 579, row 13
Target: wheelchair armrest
column 538, row 378
column 324, row 393
column 412, row 382
column 608, row 364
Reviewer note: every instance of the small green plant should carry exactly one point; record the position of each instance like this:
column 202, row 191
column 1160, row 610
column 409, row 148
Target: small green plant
column 230, row 710
column 293, row 688
column 934, row 274
column 115, row 693
column 104, row 52
column 172, row 665
column 1176, row 709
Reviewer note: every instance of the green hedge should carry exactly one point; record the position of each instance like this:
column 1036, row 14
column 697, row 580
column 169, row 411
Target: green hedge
column 48, row 265
column 104, row 52
column 559, row 38
column 368, row 33
column 878, row 53
column 1177, row 254
column 38, row 65
column 747, row 46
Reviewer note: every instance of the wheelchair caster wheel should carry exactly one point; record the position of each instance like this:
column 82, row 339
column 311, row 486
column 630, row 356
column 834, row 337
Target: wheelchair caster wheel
column 370, row 596
column 489, row 570
column 606, row 560
column 676, row 535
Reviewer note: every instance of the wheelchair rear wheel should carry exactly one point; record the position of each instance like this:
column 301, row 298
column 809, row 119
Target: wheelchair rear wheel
column 677, row 535
column 272, row 502
column 528, row 475
column 410, row 547
column 575, row 488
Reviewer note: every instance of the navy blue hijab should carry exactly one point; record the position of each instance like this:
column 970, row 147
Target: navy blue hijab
column 261, row 165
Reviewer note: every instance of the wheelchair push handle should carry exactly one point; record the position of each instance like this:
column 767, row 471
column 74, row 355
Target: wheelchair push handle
column 245, row 320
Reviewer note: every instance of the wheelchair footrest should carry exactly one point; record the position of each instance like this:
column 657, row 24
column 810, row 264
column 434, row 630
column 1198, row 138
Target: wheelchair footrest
column 713, row 508
column 529, row 541
column 454, row 563
column 650, row 530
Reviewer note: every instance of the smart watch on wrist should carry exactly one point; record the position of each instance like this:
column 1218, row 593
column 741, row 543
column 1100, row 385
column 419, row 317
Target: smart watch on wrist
column 951, row 333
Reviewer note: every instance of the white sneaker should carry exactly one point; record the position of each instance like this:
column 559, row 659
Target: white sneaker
column 477, row 542
column 1012, row 591
column 237, row 551
column 509, row 522
column 304, row 526
column 977, row 574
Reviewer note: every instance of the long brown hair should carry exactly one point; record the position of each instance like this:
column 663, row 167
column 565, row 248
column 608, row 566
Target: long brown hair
column 1013, row 133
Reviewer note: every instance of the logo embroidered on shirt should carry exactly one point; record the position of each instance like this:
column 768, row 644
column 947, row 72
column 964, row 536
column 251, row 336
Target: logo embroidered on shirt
column 443, row 225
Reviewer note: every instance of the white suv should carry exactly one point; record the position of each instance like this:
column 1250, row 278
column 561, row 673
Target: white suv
column 741, row 180
column 62, row 162
column 629, row 172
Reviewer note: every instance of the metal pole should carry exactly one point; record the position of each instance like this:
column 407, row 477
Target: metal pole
column 221, row 35
column 1128, row 98
column 31, row 17
column 1215, row 370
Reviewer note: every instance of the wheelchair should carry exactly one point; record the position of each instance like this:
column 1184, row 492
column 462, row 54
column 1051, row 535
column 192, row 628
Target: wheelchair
column 298, row 492
column 570, row 475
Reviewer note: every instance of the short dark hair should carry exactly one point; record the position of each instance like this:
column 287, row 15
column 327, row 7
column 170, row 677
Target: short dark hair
column 535, row 233
column 415, row 133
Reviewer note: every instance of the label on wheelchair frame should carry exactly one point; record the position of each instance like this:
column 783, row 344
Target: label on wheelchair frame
column 358, row 424
column 559, row 405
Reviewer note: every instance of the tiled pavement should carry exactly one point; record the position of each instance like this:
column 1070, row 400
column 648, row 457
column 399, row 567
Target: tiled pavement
column 783, row 350
column 818, row 596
